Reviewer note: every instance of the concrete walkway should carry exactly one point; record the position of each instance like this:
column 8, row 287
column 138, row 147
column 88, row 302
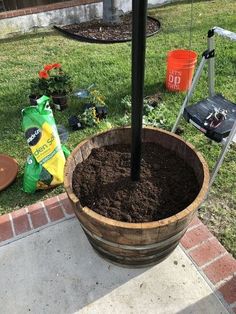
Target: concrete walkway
column 55, row 270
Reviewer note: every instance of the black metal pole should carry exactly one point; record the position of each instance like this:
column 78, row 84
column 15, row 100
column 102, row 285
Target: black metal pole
column 139, row 8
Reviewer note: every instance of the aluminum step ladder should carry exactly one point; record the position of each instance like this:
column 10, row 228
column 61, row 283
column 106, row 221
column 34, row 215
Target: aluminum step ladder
column 214, row 116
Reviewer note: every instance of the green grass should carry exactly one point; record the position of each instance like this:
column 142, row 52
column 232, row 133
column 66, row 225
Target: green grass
column 109, row 66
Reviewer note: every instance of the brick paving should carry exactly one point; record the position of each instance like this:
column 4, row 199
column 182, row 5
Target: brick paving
column 212, row 260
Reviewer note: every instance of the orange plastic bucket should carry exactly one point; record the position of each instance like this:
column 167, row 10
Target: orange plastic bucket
column 180, row 68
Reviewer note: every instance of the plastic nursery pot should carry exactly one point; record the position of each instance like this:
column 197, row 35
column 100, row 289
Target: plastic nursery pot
column 136, row 244
column 33, row 100
column 60, row 102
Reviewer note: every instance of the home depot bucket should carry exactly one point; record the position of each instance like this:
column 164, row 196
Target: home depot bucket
column 180, row 68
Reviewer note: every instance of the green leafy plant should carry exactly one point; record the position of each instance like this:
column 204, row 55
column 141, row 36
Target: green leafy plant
column 158, row 116
column 38, row 87
column 96, row 98
column 126, row 102
column 89, row 117
column 52, row 80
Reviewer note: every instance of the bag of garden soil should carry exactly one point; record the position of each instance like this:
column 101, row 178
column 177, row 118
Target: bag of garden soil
column 45, row 167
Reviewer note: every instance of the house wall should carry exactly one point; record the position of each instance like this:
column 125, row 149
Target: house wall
column 126, row 5
column 20, row 4
column 42, row 18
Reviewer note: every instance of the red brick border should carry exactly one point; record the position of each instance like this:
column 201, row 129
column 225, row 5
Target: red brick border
column 34, row 217
column 212, row 260
column 209, row 256
column 45, row 8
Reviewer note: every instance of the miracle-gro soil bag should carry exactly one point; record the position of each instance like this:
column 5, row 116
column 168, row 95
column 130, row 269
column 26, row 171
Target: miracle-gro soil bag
column 45, row 167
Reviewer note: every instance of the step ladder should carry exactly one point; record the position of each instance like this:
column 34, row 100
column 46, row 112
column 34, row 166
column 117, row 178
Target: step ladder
column 214, row 116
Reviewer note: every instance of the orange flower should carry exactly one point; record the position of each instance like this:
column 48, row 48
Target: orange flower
column 48, row 67
column 43, row 74
column 56, row 65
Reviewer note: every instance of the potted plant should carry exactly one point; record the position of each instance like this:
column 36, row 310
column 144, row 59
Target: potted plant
column 54, row 82
column 127, row 240
column 135, row 204
column 89, row 117
column 96, row 104
column 38, row 88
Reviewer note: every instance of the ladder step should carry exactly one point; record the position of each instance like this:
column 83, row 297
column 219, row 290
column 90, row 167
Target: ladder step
column 197, row 114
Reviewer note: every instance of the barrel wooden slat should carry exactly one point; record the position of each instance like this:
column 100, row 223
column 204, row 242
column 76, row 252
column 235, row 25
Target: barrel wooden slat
column 68, row 173
column 136, row 244
column 134, row 262
column 130, row 252
column 133, row 236
column 86, row 149
column 78, row 158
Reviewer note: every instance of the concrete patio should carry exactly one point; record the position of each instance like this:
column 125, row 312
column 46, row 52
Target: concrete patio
column 55, row 270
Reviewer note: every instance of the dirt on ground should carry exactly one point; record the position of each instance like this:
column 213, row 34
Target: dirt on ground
column 167, row 185
column 96, row 29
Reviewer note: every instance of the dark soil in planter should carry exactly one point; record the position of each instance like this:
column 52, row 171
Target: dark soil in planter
column 102, row 183
column 96, row 29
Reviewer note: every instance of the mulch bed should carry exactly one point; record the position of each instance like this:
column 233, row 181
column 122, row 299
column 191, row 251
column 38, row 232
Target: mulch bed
column 97, row 30
column 102, row 183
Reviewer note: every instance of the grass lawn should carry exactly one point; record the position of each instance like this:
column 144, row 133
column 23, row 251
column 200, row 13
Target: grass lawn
column 109, row 66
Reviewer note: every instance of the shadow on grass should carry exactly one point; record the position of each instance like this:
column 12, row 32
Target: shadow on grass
column 19, row 37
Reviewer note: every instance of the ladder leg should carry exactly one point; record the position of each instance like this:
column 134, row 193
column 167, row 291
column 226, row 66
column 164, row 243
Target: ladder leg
column 186, row 100
column 222, row 154
column 211, row 64
column 190, row 92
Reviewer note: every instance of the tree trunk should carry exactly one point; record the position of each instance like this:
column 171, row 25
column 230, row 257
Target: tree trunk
column 110, row 11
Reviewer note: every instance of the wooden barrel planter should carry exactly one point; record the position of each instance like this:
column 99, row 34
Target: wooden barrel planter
column 136, row 244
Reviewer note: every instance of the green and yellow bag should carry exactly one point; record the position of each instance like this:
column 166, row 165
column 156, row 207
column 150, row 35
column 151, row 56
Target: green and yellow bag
column 45, row 167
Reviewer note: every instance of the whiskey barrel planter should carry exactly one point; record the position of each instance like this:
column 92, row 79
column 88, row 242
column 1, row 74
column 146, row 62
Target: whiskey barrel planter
column 136, row 244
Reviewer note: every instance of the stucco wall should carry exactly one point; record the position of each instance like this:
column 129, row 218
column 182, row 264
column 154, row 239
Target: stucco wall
column 44, row 20
column 127, row 5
